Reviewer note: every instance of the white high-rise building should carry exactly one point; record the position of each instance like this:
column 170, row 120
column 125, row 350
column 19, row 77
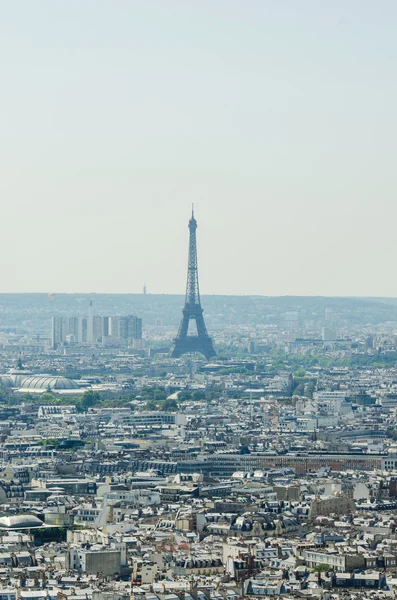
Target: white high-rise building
column 114, row 330
column 82, row 330
column 328, row 334
column 58, row 331
column 126, row 327
column 90, row 324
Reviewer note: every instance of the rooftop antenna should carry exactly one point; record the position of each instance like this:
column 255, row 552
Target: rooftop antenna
column 192, row 210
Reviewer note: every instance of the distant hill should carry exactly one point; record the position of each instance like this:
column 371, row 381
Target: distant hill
column 32, row 312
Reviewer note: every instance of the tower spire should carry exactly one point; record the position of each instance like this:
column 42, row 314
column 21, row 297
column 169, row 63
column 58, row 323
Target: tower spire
column 192, row 310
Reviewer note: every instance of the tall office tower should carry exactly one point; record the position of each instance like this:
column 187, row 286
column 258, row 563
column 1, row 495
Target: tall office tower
column 136, row 328
column 53, row 333
column 126, row 327
column 114, row 326
column 58, row 331
column 97, row 328
column 328, row 334
column 82, row 330
column 90, row 324
column 186, row 342
column 123, row 323
column 329, row 317
column 105, row 326
column 72, row 326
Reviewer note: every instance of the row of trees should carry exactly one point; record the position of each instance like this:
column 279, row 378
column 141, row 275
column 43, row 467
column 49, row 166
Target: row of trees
column 166, row 405
column 83, row 403
column 280, row 360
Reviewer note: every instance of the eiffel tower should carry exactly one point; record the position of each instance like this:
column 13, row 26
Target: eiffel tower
column 192, row 311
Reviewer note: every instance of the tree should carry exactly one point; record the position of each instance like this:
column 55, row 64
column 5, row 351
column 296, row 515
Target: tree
column 48, row 398
column 299, row 373
column 88, row 399
column 299, row 390
column 183, row 396
column 20, row 365
column 159, row 395
column 150, row 405
column 322, row 567
column 170, row 405
column 309, row 390
column 49, row 442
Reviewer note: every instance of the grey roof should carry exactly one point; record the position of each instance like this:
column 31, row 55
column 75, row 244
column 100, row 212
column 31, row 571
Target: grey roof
column 6, row 381
column 20, row 522
column 42, row 382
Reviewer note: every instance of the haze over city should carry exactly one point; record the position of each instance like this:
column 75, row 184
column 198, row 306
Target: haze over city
column 277, row 119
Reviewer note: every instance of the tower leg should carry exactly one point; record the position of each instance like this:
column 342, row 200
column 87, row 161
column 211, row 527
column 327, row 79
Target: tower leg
column 201, row 342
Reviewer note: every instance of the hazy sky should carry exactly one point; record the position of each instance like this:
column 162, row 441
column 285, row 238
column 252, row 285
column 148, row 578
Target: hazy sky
column 277, row 118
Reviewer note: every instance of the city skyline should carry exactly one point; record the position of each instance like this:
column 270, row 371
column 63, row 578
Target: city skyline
column 276, row 119
column 198, row 313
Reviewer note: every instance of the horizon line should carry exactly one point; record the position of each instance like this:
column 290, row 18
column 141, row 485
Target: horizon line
column 253, row 295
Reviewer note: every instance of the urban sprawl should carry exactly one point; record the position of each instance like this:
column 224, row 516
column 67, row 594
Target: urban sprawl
column 253, row 454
